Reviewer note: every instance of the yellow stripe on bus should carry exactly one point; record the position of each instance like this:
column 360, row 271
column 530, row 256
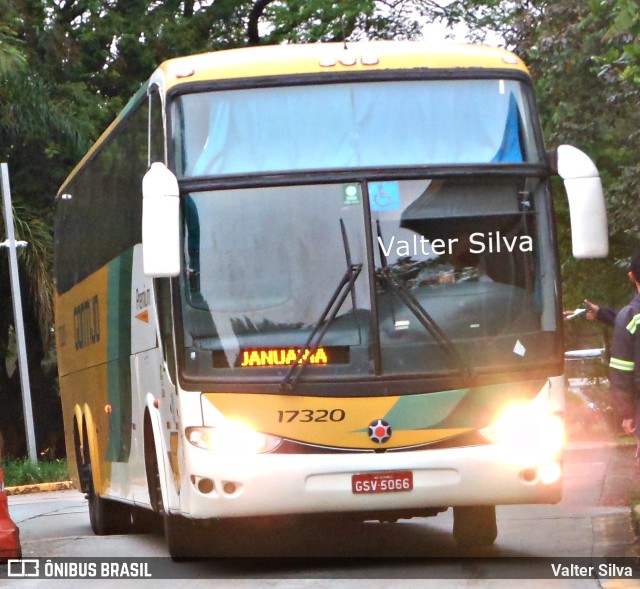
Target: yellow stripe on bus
column 324, row 421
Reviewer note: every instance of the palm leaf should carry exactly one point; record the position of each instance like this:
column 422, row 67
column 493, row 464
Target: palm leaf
column 35, row 263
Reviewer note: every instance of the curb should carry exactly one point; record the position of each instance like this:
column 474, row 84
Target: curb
column 39, row 488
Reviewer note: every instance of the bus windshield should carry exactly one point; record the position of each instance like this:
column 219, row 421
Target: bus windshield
column 353, row 125
column 262, row 266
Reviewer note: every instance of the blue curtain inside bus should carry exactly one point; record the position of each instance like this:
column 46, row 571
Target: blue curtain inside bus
column 355, row 125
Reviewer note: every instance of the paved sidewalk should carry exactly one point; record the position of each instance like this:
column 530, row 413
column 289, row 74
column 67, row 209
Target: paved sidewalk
column 622, row 480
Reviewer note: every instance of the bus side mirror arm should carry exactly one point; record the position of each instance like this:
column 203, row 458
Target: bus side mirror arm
column 587, row 209
column 160, row 222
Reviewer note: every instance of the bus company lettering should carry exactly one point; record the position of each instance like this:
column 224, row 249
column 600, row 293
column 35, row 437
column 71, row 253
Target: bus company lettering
column 478, row 243
column 282, row 357
column 86, row 322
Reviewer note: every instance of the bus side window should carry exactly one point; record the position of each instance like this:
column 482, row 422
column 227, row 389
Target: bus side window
column 157, row 151
column 163, row 302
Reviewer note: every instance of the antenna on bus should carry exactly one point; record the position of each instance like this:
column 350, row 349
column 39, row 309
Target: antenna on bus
column 344, row 33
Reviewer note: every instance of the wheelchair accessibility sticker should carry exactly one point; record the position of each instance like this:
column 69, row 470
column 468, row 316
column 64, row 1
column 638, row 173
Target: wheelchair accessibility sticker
column 384, row 196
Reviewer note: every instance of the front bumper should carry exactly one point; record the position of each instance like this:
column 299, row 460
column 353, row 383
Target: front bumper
column 214, row 486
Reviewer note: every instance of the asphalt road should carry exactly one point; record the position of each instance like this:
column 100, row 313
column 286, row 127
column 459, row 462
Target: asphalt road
column 592, row 521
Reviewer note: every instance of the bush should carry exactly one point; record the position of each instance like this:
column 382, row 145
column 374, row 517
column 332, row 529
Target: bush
column 26, row 472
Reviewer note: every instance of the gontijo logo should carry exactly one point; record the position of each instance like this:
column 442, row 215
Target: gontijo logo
column 379, row 431
column 86, row 322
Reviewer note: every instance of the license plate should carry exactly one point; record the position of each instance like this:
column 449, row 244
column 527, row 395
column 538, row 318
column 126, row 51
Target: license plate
column 382, row 482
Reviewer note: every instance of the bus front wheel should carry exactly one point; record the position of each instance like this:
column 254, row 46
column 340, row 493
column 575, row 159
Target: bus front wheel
column 107, row 517
column 475, row 526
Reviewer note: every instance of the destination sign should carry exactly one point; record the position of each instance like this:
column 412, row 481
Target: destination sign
column 286, row 356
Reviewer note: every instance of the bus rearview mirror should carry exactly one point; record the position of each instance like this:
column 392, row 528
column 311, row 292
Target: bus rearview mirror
column 160, row 222
column 589, row 231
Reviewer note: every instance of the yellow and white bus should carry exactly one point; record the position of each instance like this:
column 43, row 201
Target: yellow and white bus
column 318, row 279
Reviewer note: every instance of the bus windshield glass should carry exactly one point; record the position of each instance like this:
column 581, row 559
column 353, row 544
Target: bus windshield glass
column 263, row 266
column 472, row 257
column 353, row 125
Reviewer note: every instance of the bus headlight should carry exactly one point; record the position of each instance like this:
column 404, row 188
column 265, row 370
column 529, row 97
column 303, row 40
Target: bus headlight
column 527, row 434
column 232, row 437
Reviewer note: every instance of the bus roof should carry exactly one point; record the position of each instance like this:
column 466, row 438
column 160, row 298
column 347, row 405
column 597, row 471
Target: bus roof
column 281, row 60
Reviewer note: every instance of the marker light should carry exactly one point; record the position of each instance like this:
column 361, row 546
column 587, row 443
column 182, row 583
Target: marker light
column 510, row 59
column 328, row 61
column 186, row 73
column 369, row 59
column 232, row 437
column 527, row 434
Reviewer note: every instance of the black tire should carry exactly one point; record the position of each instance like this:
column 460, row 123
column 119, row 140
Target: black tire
column 185, row 538
column 145, row 521
column 475, row 526
column 107, row 517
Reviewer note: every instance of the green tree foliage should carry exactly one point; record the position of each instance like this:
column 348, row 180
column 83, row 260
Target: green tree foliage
column 624, row 54
column 25, row 117
column 109, row 48
column 36, row 293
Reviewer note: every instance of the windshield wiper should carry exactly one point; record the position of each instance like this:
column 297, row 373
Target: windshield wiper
column 345, row 286
column 421, row 314
column 428, row 322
